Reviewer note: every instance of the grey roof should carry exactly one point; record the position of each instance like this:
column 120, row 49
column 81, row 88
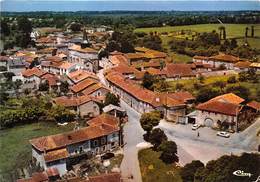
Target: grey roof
column 111, row 107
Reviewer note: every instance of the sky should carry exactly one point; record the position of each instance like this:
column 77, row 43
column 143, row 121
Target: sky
column 106, row 5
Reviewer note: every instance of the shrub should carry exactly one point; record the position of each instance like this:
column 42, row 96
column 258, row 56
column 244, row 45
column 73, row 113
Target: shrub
column 169, row 152
column 232, row 79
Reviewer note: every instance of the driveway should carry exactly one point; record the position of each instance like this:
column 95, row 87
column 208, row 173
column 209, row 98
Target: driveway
column 133, row 135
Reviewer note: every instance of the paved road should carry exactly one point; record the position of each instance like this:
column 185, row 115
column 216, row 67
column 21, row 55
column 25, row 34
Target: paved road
column 133, row 135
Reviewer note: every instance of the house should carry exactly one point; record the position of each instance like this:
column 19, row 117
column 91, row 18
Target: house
column 178, row 71
column 255, row 66
column 51, row 174
column 82, row 105
column 81, row 86
column 80, row 75
column 4, row 61
column 242, row 66
column 52, row 80
column 59, row 151
column 216, row 61
column 254, row 105
column 114, row 110
column 143, row 100
column 222, row 110
column 96, row 90
column 33, row 76
column 57, row 66
column 86, row 57
column 16, row 66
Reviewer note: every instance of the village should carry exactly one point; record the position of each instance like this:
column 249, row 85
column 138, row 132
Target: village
column 105, row 95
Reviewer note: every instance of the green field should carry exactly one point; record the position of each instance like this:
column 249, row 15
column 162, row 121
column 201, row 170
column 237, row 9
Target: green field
column 232, row 30
column 15, row 148
column 154, row 170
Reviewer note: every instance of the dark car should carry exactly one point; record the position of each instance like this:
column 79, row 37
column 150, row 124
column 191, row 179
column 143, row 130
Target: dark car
column 108, row 155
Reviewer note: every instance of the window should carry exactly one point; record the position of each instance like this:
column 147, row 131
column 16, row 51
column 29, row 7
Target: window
column 103, row 141
column 113, row 144
column 104, row 148
column 76, row 151
column 95, row 143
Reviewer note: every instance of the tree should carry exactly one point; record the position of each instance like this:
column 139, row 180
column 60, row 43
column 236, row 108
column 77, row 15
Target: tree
column 75, row 27
column 61, row 115
column 148, row 121
column 232, row 79
column 169, row 152
column 148, row 81
column 156, row 137
column 5, row 29
column 111, row 99
column 201, row 78
column 242, row 76
column 220, row 31
column 206, row 93
column 44, row 86
column 252, row 31
column 233, row 43
column 23, row 38
column 221, row 170
column 64, row 86
column 224, row 33
column 246, row 33
column 188, row 171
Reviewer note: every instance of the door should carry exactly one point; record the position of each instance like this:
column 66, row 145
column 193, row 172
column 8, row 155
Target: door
column 208, row 122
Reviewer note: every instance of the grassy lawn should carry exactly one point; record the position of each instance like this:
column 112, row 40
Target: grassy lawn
column 15, row 148
column 154, row 170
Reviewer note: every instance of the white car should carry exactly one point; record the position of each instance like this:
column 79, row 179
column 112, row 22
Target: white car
column 223, row 134
column 195, row 126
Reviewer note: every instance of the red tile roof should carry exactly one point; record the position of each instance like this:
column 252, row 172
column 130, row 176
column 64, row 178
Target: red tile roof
column 56, row 155
column 105, row 119
column 224, row 58
column 243, row 64
column 73, row 101
column 83, row 85
column 51, row 78
column 83, row 50
column 118, row 59
column 79, row 75
column 228, row 104
column 34, row 71
column 175, row 70
column 255, row 105
column 62, row 140
column 142, row 94
column 94, row 88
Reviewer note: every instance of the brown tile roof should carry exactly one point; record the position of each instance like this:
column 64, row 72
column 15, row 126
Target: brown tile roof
column 51, row 78
column 105, row 119
column 229, row 97
column 142, row 94
column 41, row 176
column 94, row 88
column 34, row 71
column 118, row 59
column 154, row 71
column 224, row 58
column 243, row 64
column 52, row 171
column 228, row 104
column 62, row 140
column 124, row 69
column 56, row 155
column 79, row 75
column 73, row 101
column 135, row 56
column 66, row 65
column 182, row 96
column 201, row 57
column 149, row 53
column 83, row 85
column 174, row 70
column 255, row 65
column 220, row 107
column 255, row 105
column 83, row 50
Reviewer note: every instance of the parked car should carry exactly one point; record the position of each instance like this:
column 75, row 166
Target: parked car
column 195, row 126
column 223, row 134
column 107, row 156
